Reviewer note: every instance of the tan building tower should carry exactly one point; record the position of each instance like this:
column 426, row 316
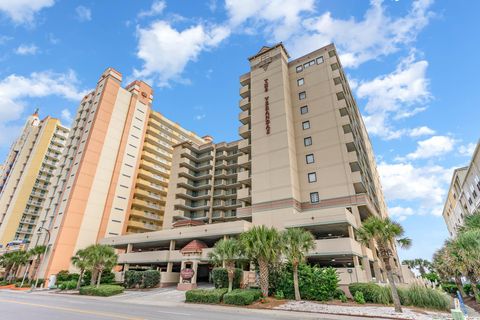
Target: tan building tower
column 113, row 174
column 305, row 160
column 26, row 178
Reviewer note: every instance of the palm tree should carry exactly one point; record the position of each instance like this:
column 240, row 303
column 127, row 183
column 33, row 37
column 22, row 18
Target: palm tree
column 447, row 265
column 385, row 233
column 227, row 251
column 296, row 244
column 100, row 258
column 471, row 222
column 467, row 247
column 262, row 245
column 18, row 259
column 36, row 254
column 7, row 261
column 82, row 262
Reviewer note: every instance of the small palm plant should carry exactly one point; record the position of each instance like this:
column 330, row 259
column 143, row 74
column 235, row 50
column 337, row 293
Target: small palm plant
column 262, row 245
column 36, row 253
column 82, row 262
column 296, row 244
column 385, row 233
column 99, row 258
column 447, row 265
column 227, row 251
column 467, row 249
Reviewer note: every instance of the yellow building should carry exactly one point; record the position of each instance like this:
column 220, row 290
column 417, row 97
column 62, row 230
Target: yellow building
column 26, row 177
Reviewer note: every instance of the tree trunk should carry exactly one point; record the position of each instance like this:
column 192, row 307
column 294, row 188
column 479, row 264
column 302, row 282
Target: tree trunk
column 475, row 291
column 458, row 282
column 393, row 286
column 12, row 273
column 79, row 282
column 295, row 282
column 231, row 274
column 99, row 278
column 263, row 266
column 94, row 277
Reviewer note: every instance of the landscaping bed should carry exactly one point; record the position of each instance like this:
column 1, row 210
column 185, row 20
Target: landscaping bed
column 106, row 290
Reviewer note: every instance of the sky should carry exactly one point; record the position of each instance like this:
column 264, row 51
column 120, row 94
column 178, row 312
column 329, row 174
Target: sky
column 413, row 67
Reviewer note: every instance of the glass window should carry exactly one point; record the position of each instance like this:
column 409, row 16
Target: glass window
column 302, row 95
column 319, row 60
column 299, row 69
column 314, row 198
column 306, row 65
column 304, row 110
column 310, row 158
column 312, row 177
column 312, row 62
column 300, row 82
column 307, row 141
column 306, row 125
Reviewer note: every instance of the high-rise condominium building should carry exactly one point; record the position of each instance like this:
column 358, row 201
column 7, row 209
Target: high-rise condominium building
column 305, row 160
column 26, row 177
column 463, row 198
column 113, row 173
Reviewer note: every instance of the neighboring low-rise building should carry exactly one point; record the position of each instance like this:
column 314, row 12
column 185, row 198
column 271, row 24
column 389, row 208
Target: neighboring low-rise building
column 463, row 196
column 304, row 160
column 28, row 172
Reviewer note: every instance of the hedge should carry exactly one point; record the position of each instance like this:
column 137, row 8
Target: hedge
column 105, row 290
column 414, row 295
column 67, row 285
column 220, row 278
column 64, row 276
column 213, row 296
column 315, row 283
column 142, row 279
column 241, row 297
column 151, row 278
column 108, row 277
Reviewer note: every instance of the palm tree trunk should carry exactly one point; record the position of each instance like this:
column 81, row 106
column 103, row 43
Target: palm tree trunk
column 12, row 272
column 295, row 282
column 393, row 286
column 94, row 277
column 231, row 274
column 458, row 282
column 263, row 266
column 99, row 278
column 475, row 291
column 79, row 282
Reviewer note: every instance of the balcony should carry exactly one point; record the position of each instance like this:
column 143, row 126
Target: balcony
column 195, row 195
column 244, row 160
column 245, row 79
column 186, row 183
column 244, row 116
column 142, row 226
column 245, row 177
column 244, row 131
column 150, row 195
column 193, row 175
column 244, row 104
column 146, row 215
column 147, row 257
column 183, row 204
column 152, row 177
column 147, row 205
column 245, row 91
column 244, row 194
column 338, row 246
column 244, row 145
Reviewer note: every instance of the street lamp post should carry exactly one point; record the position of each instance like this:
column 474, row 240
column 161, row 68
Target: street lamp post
column 44, row 255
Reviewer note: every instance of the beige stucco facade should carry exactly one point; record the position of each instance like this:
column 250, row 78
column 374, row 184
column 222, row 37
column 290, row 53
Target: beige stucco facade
column 26, row 178
column 304, row 160
column 463, row 197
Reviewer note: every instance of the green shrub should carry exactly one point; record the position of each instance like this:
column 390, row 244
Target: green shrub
column 67, row 285
column 315, row 283
column 105, row 290
column 242, row 297
column 338, row 293
column 151, row 278
column 370, row 291
column 19, row 284
column 420, row 296
column 279, row 295
column 358, row 297
column 3, row 283
column 220, row 278
column 205, row 296
column 108, row 277
column 133, row 278
column 343, row 298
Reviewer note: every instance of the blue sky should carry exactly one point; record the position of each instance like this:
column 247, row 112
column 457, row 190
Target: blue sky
column 412, row 65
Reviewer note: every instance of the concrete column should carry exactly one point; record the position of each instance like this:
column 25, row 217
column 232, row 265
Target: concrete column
column 126, row 266
column 366, row 267
column 356, row 262
column 169, row 266
column 195, row 269
column 172, row 245
column 351, row 233
column 129, row 248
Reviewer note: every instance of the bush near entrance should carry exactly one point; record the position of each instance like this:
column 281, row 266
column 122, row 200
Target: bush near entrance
column 213, row 296
column 242, row 297
column 67, row 285
column 316, row 283
column 142, row 279
column 105, row 290
column 220, row 278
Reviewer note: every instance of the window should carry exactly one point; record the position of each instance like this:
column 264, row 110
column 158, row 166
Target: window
column 300, row 82
column 306, row 125
column 310, row 158
column 299, row 69
column 302, row 95
column 312, row 177
column 319, row 60
column 314, row 198
column 304, row 110
column 307, row 141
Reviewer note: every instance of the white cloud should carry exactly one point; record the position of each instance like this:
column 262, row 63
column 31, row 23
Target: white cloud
column 157, row 8
column 399, row 94
column 14, row 89
column 166, row 51
column 67, row 116
column 421, row 131
column 200, row 116
column 426, row 184
column 432, row 147
column 26, row 49
column 83, row 13
column 23, row 11
column 400, row 213
column 467, row 150
column 372, row 37
column 280, row 19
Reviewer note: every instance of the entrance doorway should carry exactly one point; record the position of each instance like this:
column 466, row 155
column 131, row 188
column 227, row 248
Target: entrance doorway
column 203, row 273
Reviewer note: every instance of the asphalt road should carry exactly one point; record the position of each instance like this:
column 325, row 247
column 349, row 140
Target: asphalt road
column 28, row 306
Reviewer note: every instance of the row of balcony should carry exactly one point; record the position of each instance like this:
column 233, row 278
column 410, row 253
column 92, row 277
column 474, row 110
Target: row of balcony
column 143, row 226
column 146, row 215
